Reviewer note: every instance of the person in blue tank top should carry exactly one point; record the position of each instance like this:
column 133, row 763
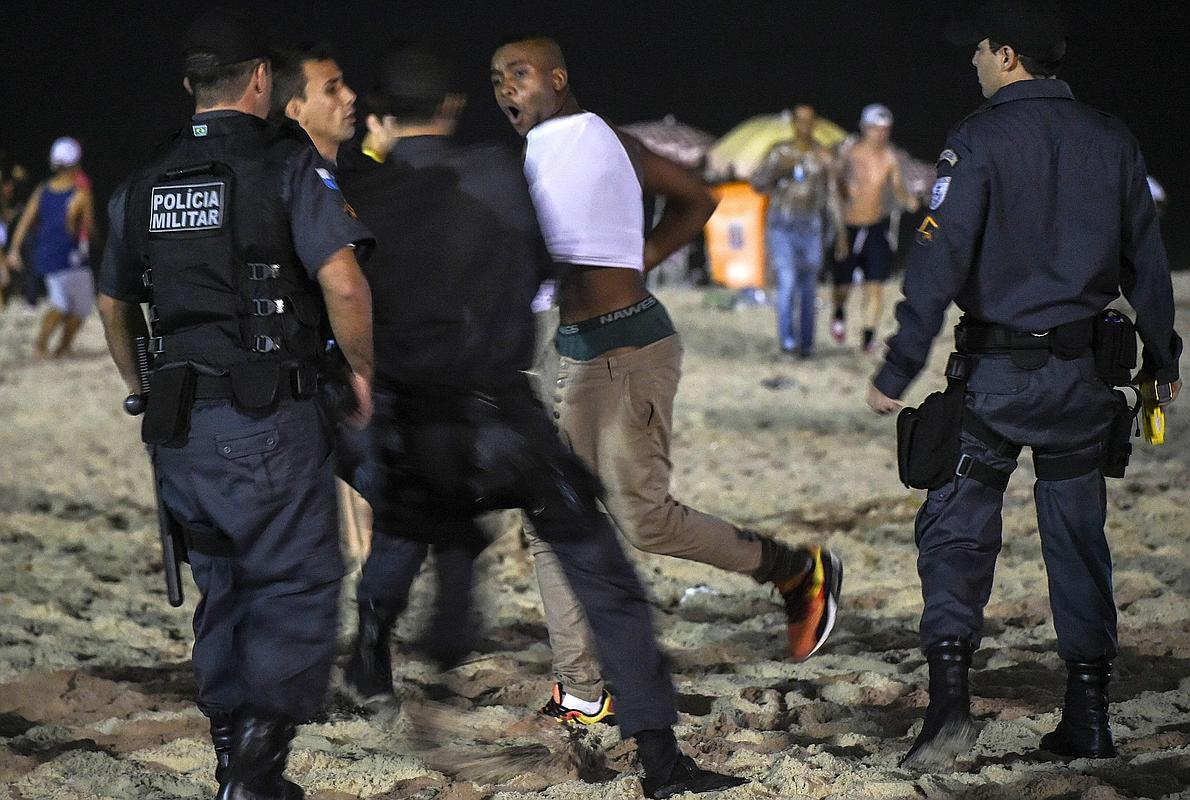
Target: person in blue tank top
column 61, row 215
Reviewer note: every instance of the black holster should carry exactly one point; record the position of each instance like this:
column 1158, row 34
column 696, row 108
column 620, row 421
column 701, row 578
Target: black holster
column 167, row 414
column 254, row 386
column 1117, row 448
column 928, row 445
column 1114, row 346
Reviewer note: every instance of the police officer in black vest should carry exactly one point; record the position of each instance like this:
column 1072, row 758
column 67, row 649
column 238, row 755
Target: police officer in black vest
column 1040, row 216
column 245, row 255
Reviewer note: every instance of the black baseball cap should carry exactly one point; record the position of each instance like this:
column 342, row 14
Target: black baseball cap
column 1035, row 29
column 230, row 35
column 411, row 75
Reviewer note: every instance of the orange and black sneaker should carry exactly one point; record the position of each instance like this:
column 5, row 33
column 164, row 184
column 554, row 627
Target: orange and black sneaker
column 812, row 602
column 558, row 709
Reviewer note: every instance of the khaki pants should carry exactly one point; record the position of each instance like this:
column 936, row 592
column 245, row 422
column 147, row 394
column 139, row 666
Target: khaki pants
column 617, row 414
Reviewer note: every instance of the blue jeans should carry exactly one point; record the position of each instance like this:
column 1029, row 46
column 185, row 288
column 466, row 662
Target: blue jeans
column 795, row 251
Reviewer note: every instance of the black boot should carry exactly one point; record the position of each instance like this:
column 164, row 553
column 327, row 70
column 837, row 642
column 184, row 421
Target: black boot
column 259, row 751
column 222, row 733
column 369, row 671
column 1084, row 731
column 668, row 772
column 948, row 730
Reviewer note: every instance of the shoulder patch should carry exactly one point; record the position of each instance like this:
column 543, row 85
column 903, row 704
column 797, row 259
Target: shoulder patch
column 925, row 231
column 949, row 156
column 938, row 193
column 327, row 178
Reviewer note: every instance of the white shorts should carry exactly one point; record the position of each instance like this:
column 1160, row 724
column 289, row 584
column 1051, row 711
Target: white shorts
column 71, row 291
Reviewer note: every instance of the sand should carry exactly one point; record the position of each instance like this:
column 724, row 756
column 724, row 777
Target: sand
column 95, row 687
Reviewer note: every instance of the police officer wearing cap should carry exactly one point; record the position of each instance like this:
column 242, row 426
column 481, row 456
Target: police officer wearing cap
column 1040, row 216
column 247, row 259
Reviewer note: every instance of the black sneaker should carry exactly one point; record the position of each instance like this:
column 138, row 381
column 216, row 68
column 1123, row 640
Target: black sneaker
column 369, row 672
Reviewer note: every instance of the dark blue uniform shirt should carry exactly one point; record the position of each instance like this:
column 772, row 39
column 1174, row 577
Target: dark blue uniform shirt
column 1040, row 216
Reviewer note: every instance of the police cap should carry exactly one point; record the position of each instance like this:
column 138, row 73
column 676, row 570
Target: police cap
column 1034, row 29
column 227, row 34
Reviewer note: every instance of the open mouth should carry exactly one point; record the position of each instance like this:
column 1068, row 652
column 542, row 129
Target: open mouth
column 514, row 113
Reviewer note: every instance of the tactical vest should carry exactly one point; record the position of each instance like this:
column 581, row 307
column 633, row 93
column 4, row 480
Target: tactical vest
column 208, row 222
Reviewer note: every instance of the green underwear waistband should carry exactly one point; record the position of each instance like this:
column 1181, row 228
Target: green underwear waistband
column 634, row 326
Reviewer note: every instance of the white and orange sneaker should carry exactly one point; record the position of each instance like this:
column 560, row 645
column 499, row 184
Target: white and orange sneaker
column 566, row 708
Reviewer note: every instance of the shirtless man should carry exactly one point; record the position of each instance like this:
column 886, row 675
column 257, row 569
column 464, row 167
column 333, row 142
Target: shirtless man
column 868, row 172
column 620, row 362
column 797, row 174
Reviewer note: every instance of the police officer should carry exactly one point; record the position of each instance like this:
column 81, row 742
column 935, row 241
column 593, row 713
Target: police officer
column 1039, row 217
column 243, row 252
column 458, row 260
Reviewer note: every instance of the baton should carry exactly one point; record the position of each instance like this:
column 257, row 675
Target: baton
column 167, row 528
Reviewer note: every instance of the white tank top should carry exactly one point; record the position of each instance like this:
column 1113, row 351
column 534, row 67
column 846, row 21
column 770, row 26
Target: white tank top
column 586, row 192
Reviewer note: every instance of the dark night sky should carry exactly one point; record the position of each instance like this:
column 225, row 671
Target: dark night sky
column 107, row 72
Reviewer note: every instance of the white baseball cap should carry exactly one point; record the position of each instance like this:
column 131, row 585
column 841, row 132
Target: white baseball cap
column 876, row 114
column 65, row 152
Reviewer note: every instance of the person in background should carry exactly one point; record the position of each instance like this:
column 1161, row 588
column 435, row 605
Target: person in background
column 797, row 175
column 868, row 174
column 14, row 195
column 60, row 216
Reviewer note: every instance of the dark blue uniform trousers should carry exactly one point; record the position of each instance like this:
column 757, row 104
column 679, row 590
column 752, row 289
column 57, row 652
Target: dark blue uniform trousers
column 558, row 493
column 264, row 630
column 1060, row 409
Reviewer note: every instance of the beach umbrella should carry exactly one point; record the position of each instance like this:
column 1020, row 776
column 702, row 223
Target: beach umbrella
column 674, row 140
column 740, row 152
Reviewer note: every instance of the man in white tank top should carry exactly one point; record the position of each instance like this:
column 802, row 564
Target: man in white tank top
column 621, row 361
